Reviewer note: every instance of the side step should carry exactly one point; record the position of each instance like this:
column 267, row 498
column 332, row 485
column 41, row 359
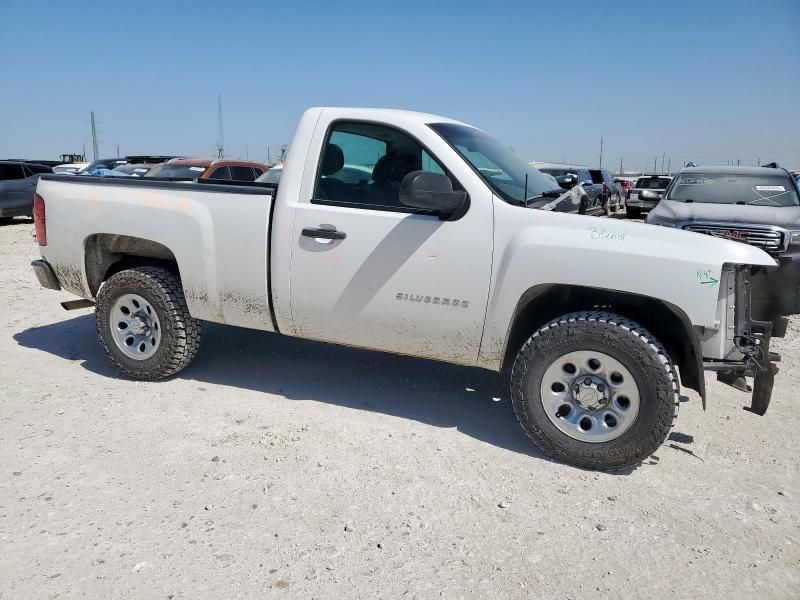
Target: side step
column 76, row 304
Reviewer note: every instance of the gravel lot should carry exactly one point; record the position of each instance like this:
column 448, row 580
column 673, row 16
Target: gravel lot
column 274, row 467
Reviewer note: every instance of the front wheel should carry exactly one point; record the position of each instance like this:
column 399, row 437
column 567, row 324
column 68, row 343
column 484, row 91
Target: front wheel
column 144, row 325
column 595, row 390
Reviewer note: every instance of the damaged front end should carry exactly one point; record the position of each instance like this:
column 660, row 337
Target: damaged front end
column 739, row 348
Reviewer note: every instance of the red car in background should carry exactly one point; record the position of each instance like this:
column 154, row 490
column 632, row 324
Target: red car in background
column 625, row 184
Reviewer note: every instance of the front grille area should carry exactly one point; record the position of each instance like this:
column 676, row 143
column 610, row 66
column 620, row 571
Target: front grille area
column 768, row 239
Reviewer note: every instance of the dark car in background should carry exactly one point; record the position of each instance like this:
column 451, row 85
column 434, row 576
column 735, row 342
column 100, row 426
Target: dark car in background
column 610, row 191
column 646, row 194
column 759, row 206
column 17, row 185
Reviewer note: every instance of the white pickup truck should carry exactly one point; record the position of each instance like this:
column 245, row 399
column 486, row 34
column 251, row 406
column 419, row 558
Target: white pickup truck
column 416, row 234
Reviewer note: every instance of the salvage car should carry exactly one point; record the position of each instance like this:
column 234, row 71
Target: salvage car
column 17, row 186
column 645, row 195
column 569, row 176
column 752, row 205
column 431, row 258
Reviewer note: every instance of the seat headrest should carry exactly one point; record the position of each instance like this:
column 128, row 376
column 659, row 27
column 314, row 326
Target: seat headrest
column 392, row 167
column 333, row 160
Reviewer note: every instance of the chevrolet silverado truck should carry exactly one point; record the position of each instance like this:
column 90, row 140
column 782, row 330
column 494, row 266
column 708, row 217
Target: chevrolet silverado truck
column 437, row 252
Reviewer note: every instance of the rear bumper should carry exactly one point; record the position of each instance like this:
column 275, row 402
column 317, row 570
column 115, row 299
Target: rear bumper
column 641, row 204
column 45, row 274
column 26, row 210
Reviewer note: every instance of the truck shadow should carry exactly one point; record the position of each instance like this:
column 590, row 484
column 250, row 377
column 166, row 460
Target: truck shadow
column 474, row 401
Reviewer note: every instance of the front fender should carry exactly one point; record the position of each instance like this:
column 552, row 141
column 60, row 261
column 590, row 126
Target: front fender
column 533, row 248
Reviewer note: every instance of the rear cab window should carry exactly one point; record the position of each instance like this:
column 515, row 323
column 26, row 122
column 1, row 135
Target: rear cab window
column 239, row 173
column 220, row 173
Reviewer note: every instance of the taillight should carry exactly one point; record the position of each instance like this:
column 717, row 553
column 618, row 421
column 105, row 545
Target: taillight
column 39, row 220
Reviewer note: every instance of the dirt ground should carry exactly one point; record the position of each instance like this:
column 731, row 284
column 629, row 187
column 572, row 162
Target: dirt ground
column 274, row 467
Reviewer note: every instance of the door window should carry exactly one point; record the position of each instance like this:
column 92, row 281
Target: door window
column 220, row 173
column 363, row 164
column 241, row 173
column 10, row 171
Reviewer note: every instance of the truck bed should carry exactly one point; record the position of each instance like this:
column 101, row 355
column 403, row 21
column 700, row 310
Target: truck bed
column 217, row 234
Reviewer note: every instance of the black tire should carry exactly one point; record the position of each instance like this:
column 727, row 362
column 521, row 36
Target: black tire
column 6, row 220
column 625, row 341
column 634, row 212
column 180, row 332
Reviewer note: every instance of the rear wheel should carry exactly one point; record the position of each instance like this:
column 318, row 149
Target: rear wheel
column 595, row 390
column 144, row 325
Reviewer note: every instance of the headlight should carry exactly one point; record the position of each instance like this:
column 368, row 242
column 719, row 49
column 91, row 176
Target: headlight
column 794, row 237
column 653, row 220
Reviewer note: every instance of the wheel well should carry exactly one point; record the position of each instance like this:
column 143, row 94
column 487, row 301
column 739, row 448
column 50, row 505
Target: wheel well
column 107, row 254
column 541, row 304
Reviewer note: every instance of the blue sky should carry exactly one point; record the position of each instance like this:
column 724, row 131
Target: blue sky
column 705, row 80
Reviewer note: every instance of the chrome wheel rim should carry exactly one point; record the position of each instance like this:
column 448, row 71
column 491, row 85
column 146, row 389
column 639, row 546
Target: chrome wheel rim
column 135, row 327
column 590, row 396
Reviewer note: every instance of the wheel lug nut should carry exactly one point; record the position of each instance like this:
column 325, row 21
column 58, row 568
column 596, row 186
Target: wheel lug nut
column 587, row 381
column 600, row 387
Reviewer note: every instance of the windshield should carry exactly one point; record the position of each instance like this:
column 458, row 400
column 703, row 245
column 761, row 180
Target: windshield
column 134, row 168
column 652, row 183
column 103, row 163
column 734, row 188
column 499, row 166
column 168, row 170
column 271, row 176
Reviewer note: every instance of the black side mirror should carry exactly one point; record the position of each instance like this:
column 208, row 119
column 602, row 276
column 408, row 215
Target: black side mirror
column 566, row 182
column 432, row 191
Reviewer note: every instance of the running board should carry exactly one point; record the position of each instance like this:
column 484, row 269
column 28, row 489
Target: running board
column 76, row 304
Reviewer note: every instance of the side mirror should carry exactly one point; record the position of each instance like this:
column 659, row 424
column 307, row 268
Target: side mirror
column 432, row 191
column 566, row 181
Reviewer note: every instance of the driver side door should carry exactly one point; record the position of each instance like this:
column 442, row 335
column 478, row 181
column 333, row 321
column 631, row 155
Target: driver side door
column 371, row 272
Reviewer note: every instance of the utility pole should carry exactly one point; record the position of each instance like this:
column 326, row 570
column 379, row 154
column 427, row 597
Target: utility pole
column 94, row 136
column 759, row 161
column 601, row 151
column 655, row 164
column 84, row 152
column 620, row 166
column 669, row 165
column 737, row 162
column 220, row 137
column 117, row 150
column 246, row 152
column 663, row 155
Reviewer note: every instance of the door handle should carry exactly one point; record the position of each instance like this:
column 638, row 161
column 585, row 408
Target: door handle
column 328, row 234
